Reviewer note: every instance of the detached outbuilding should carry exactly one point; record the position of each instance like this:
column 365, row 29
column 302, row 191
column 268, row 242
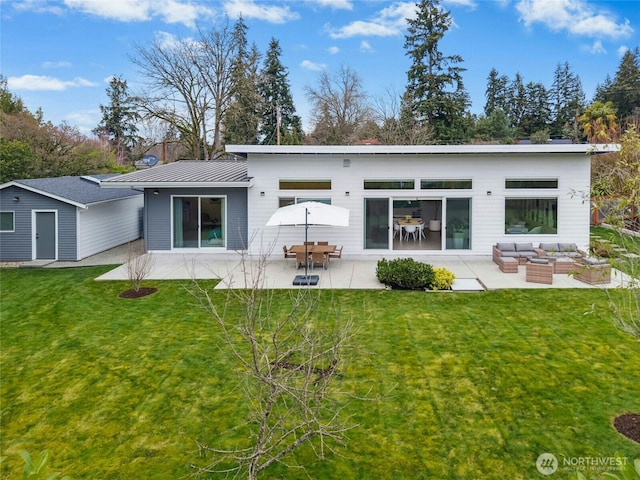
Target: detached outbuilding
column 66, row 218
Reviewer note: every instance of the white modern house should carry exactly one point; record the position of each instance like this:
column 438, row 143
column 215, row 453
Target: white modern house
column 466, row 197
column 462, row 199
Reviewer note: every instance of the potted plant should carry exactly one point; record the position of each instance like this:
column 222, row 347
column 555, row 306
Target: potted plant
column 459, row 228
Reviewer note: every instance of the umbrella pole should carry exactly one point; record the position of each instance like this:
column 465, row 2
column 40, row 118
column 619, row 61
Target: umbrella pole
column 306, row 235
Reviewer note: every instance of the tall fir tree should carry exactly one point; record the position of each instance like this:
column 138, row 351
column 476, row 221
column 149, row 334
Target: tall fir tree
column 496, row 94
column 279, row 122
column 567, row 99
column 241, row 120
column 517, row 102
column 537, row 112
column 624, row 91
column 434, row 81
column 119, row 119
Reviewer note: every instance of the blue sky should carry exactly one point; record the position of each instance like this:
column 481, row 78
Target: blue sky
column 59, row 55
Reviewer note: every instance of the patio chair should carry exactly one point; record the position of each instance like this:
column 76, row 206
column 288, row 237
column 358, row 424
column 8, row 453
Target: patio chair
column 337, row 254
column 323, row 243
column 318, row 258
column 287, row 254
column 301, row 259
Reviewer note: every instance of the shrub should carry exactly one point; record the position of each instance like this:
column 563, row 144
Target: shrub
column 405, row 273
column 442, row 279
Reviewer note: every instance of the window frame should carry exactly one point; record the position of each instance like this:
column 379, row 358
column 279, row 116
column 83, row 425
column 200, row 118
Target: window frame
column 13, row 221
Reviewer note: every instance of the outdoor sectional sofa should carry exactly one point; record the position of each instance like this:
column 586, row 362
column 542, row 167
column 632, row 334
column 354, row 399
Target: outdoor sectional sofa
column 519, row 251
column 557, row 250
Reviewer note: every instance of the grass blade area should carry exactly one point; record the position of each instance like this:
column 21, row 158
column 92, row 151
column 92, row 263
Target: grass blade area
column 459, row 385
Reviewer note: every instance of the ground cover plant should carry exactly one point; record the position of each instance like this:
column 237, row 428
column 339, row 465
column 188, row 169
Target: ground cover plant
column 457, row 386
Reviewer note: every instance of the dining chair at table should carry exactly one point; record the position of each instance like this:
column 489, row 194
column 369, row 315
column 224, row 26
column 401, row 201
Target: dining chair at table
column 287, row 254
column 397, row 230
column 323, row 243
column 421, row 231
column 318, row 258
column 302, row 259
column 335, row 254
column 309, row 243
column 410, row 230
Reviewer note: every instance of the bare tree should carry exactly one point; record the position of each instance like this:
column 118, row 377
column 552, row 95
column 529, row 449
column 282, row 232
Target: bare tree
column 139, row 266
column 340, row 106
column 291, row 363
column 189, row 86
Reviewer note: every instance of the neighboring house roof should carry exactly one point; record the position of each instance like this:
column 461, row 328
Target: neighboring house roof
column 194, row 173
column 420, row 149
column 80, row 191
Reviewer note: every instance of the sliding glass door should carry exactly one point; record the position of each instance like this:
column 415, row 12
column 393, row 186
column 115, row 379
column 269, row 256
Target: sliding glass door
column 376, row 223
column 199, row 222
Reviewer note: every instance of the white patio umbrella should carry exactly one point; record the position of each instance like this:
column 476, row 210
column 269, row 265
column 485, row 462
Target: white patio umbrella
column 309, row 213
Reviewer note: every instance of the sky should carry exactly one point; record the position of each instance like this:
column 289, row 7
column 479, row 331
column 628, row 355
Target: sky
column 60, row 55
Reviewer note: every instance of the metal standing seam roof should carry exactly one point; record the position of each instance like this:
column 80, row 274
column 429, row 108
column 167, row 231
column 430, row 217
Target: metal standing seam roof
column 201, row 172
column 81, row 190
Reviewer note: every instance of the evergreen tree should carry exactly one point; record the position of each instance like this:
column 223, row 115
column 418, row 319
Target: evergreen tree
column 567, row 99
column 279, row 122
column 118, row 120
column 537, row 113
column 624, row 92
column 434, row 81
column 241, row 117
column 517, row 97
column 496, row 94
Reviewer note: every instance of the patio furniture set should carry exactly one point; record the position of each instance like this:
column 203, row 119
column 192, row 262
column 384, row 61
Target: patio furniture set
column 311, row 254
column 542, row 262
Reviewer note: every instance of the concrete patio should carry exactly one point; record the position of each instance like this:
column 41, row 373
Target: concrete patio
column 473, row 273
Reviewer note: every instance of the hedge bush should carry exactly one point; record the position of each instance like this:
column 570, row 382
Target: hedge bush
column 405, row 273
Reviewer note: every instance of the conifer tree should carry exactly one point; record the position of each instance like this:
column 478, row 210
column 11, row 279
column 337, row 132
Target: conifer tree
column 434, row 81
column 279, row 122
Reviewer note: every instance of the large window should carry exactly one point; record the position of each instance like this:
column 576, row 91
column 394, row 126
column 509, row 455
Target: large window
column 458, row 224
column 530, row 216
column 7, row 223
column 389, row 184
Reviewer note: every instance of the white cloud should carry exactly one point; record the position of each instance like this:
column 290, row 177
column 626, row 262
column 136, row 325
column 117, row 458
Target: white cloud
column 84, row 119
column 251, row 9
column 365, row 46
column 170, row 11
column 334, row 4
column 597, row 48
column 333, row 50
column 315, row 67
column 622, row 49
column 56, row 64
column 37, row 6
column 41, row 82
column 360, row 28
column 471, row 4
column 574, row 16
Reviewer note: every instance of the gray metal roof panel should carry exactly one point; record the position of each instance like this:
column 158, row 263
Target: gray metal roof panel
column 81, row 190
column 189, row 171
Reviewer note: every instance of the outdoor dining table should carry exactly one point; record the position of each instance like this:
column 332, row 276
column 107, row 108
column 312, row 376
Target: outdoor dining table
column 313, row 248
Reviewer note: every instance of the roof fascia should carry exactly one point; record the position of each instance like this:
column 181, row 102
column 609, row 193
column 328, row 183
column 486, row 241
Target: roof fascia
column 134, row 184
column 43, row 193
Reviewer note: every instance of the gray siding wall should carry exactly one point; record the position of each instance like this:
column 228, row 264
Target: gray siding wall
column 17, row 246
column 157, row 215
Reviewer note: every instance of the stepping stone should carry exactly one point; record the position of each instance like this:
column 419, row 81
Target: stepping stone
column 630, row 255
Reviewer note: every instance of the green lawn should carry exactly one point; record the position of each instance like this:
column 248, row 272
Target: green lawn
column 460, row 385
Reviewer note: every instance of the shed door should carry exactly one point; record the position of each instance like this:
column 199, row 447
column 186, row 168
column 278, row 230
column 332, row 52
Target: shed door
column 45, row 235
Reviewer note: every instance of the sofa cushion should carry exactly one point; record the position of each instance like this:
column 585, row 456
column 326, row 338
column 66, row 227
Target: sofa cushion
column 524, row 247
column 506, row 246
column 527, row 254
column 510, row 254
column 542, row 261
column 593, row 261
column 548, row 247
column 568, row 247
